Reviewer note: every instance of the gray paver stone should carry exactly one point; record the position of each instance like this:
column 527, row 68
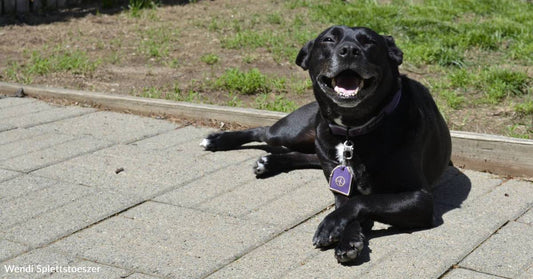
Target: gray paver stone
column 110, row 126
column 54, row 154
column 461, row 273
column 10, row 249
column 98, row 204
column 507, row 253
column 167, row 240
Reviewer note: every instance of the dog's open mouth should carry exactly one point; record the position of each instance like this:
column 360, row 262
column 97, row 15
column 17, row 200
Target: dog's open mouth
column 346, row 85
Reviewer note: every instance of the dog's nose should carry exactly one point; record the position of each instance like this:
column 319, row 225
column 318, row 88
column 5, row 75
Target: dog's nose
column 348, row 50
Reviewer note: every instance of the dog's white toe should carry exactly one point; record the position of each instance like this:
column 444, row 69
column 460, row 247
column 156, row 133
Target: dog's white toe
column 260, row 165
column 204, row 143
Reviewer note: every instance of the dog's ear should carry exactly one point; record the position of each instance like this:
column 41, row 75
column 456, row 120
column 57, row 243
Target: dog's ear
column 395, row 54
column 302, row 59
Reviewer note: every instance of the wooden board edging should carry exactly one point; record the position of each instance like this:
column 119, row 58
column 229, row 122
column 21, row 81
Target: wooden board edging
column 496, row 154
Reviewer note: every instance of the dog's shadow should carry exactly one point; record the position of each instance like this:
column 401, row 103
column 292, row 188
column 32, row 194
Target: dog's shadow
column 448, row 194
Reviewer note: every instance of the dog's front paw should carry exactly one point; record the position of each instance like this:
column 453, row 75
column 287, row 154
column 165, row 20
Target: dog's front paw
column 349, row 247
column 329, row 231
column 261, row 165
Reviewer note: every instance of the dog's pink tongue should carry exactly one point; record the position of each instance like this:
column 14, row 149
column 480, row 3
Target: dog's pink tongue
column 346, row 84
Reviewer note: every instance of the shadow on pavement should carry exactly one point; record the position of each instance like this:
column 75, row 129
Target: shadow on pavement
column 449, row 194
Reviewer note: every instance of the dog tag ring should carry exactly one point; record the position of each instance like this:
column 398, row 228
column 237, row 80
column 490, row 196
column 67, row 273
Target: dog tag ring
column 348, row 151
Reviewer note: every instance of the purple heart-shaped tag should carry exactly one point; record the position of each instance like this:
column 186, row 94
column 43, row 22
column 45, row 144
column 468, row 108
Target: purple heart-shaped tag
column 340, row 180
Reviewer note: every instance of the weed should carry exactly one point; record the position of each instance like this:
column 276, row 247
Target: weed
column 274, row 18
column 59, row 60
column 234, row 100
column 210, row 58
column 525, row 108
column 178, row 95
column 249, row 82
column 38, row 64
column 517, row 131
column 249, row 58
column 494, row 82
column 152, row 92
column 214, row 25
column 15, row 72
column 136, row 6
column 156, row 42
column 75, row 61
column 453, row 100
column 300, row 86
column 173, row 63
column 277, row 103
column 247, row 38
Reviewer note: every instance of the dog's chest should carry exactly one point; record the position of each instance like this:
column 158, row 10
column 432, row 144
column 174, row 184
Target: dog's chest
column 340, row 156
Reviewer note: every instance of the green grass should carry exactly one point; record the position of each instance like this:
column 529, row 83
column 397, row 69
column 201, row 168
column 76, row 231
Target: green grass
column 156, row 42
column 463, row 41
column 276, row 103
column 525, row 108
column 249, row 82
column 471, row 54
column 174, row 94
column 452, row 98
column 136, row 6
column 494, row 83
column 41, row 63
column 210, row 58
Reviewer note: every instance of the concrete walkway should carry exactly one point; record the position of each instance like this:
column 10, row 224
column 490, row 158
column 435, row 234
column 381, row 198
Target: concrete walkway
column 96, row 194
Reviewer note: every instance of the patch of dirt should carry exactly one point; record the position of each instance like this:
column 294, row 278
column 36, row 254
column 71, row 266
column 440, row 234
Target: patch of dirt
column 122, row 45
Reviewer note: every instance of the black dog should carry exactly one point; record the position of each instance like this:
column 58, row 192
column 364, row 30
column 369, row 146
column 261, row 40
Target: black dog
column 377, row 135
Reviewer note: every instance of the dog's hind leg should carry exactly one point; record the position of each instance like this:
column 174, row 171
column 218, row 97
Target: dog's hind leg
column 295, row 131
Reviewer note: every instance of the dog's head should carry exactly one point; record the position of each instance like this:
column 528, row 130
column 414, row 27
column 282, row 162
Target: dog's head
column 354, row 71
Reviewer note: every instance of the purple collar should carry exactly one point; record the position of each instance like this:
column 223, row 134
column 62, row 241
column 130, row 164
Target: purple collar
column 370, row 124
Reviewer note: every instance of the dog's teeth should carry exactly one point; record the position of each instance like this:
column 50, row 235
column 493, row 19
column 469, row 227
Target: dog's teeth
column 333, row 83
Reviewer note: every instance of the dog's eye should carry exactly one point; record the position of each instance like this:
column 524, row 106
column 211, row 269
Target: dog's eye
column 364, row 40
column 328, row 40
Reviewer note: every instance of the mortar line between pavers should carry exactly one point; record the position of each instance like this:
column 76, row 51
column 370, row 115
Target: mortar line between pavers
column 182, row 184
column 8, row 129
column 33, row 100
column 50, row 209
column 223, row 192
column 110, row 144
column 266, row 241
column 477, row 271
column 45, row 132
column 40, row 149
column 76, row 231
column 19, row 174
column 474, row 249
column 280, row 196
column 527, row 210
column 32, row 112
column 59, row 119
column 179, row 126
column 106, row 217
column 49, row 108
column 130, row 142
column 78, row 259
